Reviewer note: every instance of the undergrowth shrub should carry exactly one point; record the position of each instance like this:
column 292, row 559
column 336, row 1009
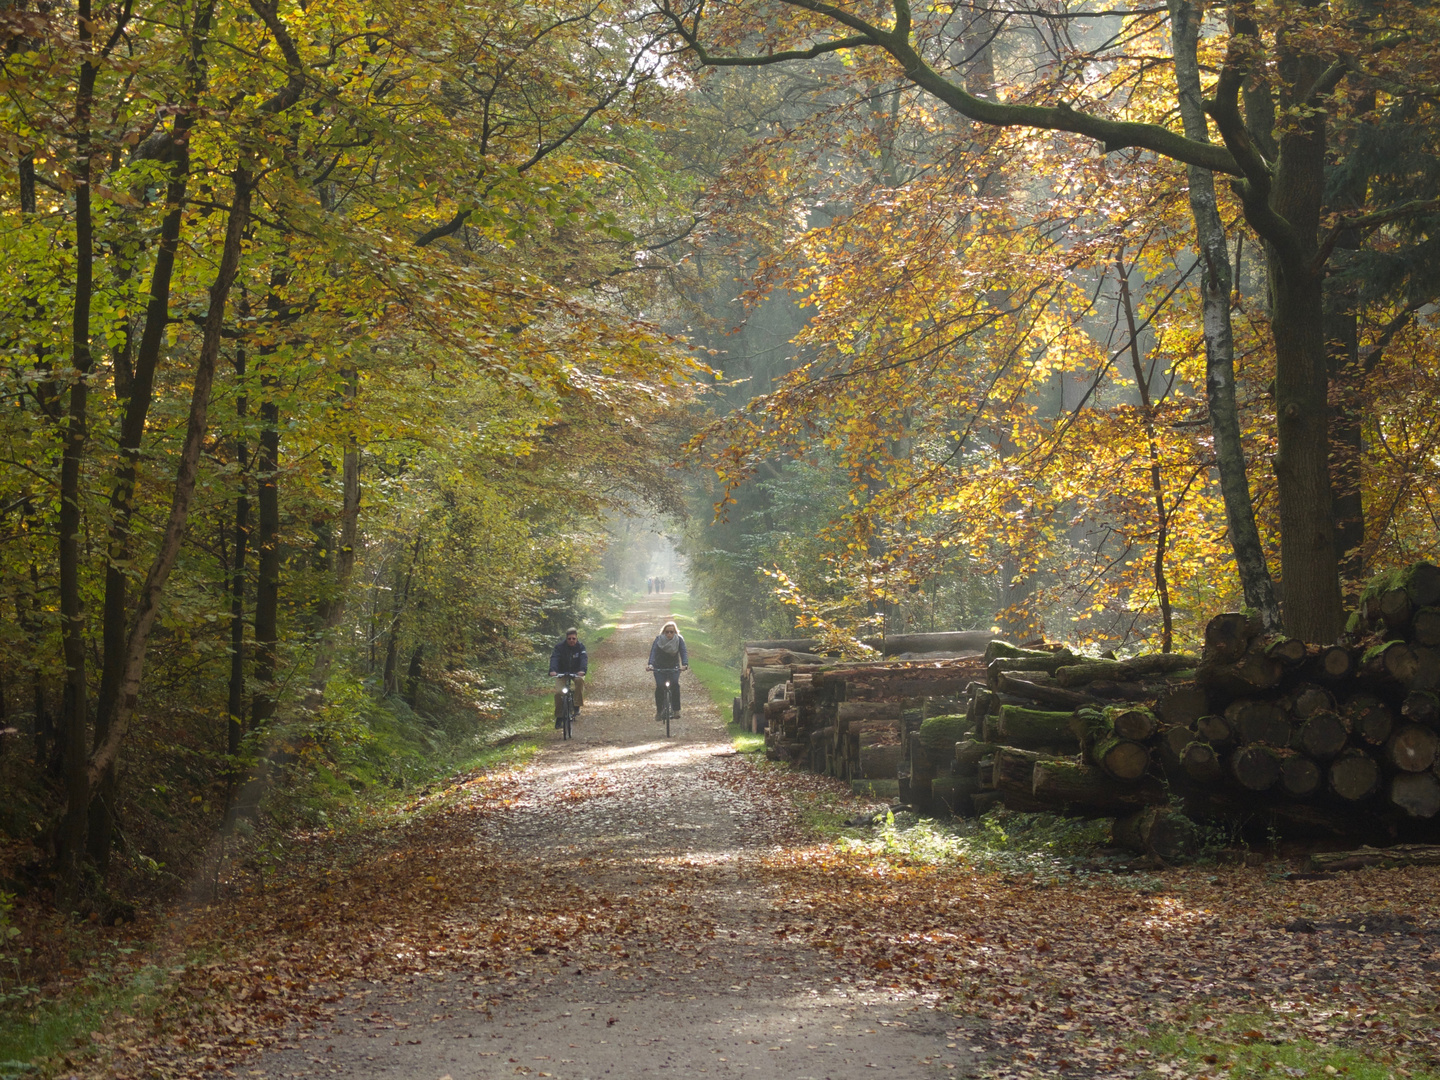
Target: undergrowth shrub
column 1002, row 840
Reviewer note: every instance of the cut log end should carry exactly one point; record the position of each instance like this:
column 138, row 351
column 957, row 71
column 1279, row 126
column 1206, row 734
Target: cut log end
column 1354, row 776
column 1412, row 749
column 1256, row 768
column 1418, row 794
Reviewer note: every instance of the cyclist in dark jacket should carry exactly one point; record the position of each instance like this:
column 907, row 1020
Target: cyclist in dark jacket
column 667, row 658
column 569, row 658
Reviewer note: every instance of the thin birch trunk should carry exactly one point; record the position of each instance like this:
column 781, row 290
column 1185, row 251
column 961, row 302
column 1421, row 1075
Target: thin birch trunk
column 1216, row 284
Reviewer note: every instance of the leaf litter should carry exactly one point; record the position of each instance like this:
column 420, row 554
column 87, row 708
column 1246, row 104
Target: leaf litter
column 1042, row 974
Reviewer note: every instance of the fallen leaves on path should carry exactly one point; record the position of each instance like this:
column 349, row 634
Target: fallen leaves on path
column 1050, row 976
column 1067, row 976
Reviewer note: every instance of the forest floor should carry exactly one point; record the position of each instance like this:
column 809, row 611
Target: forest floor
column 628, row 905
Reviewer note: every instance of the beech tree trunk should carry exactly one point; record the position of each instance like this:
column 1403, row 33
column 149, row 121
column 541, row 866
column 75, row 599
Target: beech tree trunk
column 400, row 597
column 267, row 581
column 235, row 726
column 148, row 598
column 76, row 435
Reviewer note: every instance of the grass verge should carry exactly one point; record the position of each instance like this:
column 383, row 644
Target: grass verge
column 37, row 1034
column 1237, row 1047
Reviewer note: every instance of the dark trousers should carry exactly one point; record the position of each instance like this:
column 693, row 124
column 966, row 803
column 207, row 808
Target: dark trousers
column 673, row 675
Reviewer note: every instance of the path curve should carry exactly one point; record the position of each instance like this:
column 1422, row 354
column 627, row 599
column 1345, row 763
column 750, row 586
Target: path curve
column 709, row 986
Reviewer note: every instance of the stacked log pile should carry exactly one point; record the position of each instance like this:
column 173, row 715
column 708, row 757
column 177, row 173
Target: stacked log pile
column 1050, row 730
column 1341, row 739
column 852, row 720
column 765, row 665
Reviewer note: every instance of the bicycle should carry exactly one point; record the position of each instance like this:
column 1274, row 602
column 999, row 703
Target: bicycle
column 667, row 711
column 567, row 706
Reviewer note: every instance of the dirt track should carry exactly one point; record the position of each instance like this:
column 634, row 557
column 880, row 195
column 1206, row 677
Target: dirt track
column 708, row 984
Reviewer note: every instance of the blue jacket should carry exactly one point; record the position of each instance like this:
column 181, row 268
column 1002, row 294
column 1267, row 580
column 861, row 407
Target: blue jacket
column 661, row 661
column 569, row 659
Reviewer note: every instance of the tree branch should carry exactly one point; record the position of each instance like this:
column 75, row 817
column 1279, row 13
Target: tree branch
column 1111, row 134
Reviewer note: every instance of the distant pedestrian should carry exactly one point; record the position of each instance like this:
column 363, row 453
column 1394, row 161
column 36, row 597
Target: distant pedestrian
column 649, row 586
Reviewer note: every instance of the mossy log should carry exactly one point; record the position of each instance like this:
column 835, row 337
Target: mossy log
column 939, row 734
column 1395, row 609
column 1427, row 668
column 1013, row 769
column 1418, row 794
column 1055, row 696
column 1132, row 722
column 1044, row 665
column 983, row 702
column 1288, row 652
column 1354, row 775
column 1399, row 855
column 1421, row 582
column 1071, row 783
column 1390, row 662
column 995, row 649
column 954, row 795
column 1335, row 663
column 1122, row 759
column 1172, row 743
column 1412, row 748
column 1024, row 727
column 848, row 712
column 880, row 761
column 1124, row 670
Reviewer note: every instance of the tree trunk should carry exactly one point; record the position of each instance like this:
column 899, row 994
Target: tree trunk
column 1216, row 287
column 70, row 844
column 267, row 580
column 1152, row 444
column 235, row 705
column 401, row 597
column 413, row 674
column 148, row 598
column 1309, row 568
column 345, row 553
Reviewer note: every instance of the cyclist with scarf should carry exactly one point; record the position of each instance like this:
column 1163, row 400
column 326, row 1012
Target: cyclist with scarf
column 667, row 660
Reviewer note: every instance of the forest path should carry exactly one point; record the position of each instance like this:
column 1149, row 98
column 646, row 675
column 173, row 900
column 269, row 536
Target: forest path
column 670, row 956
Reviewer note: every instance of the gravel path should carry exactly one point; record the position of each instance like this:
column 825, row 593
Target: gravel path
column 707, row 984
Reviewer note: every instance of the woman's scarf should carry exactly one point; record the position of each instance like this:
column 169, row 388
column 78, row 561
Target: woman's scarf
column 668, row 646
